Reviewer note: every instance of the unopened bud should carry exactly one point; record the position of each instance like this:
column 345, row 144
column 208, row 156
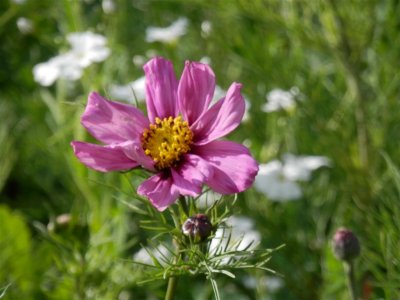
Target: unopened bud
column 345, row 245
column 197, row 227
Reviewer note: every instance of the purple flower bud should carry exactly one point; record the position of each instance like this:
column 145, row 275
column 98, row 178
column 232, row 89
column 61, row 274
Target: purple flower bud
column 197, row 227
column 345, row 244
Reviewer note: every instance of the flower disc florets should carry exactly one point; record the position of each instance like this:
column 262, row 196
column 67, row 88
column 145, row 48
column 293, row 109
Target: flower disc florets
column 166, row 141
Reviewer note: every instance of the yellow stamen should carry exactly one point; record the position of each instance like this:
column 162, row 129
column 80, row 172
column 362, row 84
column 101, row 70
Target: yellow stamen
column 166, row 141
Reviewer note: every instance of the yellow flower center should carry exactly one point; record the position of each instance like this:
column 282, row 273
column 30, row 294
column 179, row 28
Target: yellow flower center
column 166, row 141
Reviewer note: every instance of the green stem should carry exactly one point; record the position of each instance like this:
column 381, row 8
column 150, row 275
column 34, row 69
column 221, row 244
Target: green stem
column 351, row 280
column 184, row 205
column 172, row 282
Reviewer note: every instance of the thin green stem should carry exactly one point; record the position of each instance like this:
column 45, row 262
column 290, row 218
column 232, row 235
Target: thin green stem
column 351, row 280
column 172, row 283
column 173, row 280
column 184, row 205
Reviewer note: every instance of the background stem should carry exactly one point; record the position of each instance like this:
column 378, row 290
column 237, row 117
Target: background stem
column 351, row 281
column 172, row 282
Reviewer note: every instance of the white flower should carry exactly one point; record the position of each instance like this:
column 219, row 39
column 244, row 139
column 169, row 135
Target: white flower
column 207, row 199
column 128, row 92
column 271, row 181
column 139, row 60
column 206, row 27
column 108, row 6
column 62, row 66
column 24, row 25
column 278, row 99
column 278, row 181
column 300, row 167
column 161, row 253
column 271, row 283
column 167, row 34
column 88, row 47
column 205, row 60
column 242, row 234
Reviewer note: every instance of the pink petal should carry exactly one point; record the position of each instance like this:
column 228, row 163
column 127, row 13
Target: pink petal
column 195, row 90
column 112, row 122
column 184, row 185
column 161, row 87
column 160, row 190
column 222, row 118
column 191, row 174
column 103, row 158
column 234, row 169
column 134, row 150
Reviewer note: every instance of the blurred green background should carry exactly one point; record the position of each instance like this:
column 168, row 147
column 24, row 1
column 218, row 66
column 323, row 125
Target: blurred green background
column 343, row 56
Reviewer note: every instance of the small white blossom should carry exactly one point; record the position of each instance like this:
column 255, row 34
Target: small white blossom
column 24, row 25
column 278, row 99
column 139, row 60
column 271, row 283
column 167, row 34
column 300, row 167
column 271, row 181
column 278, row 180
column 206, row 27
column 242, row 234
column 108, row 6
column 161, row 253
column 63, row 66
column 205, row 60
column 86, row 48
column 207, row 199
column 128, row 92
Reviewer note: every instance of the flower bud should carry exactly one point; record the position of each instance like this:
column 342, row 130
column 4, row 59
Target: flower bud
column 198, row 227
column 345, row 244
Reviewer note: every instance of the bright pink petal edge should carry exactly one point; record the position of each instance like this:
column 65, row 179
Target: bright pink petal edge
column 234, row 169
column 112, row 122
column 159, row 189
column 102, row 158
column 161, row 89
column 195, row 90
column 221, row 119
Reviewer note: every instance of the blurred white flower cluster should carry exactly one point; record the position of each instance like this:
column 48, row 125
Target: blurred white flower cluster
column 237, row 235
column 24, row 25
column 160, row 253
column 278, row 99
column 278, row 180
column 86, row 48
column 135, row 90
column 167, row 34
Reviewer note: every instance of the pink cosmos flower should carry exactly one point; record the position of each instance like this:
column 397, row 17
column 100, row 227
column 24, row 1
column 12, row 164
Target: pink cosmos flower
column 178, row 141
